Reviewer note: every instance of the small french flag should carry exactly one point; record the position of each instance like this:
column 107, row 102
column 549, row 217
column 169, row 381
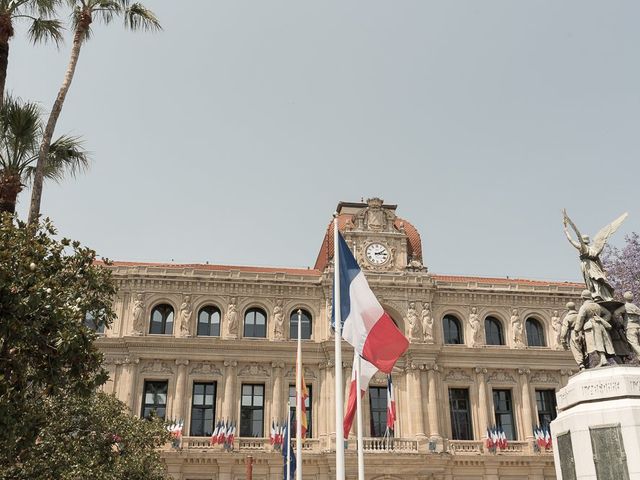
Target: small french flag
column 391, row 404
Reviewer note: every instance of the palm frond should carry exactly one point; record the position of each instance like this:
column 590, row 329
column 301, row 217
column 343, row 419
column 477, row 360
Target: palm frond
column 46, row 30
column 43, row 8
column 138, row 17
column 67, row 156
column 108, row 9
column 19, row 132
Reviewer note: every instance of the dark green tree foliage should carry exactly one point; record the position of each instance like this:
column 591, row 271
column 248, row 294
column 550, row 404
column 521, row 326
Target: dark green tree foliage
column 50, row 367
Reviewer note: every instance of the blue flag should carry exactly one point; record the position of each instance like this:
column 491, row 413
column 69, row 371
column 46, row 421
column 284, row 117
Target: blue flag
column 286, row 444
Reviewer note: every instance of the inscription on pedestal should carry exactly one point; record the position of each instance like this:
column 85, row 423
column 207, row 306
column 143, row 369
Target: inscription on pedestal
column 565, row 452
column 609, row 456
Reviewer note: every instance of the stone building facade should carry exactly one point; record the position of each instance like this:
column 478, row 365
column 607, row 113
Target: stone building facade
column 209, row 342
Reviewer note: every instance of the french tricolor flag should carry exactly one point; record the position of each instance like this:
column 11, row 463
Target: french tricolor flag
column 367, row 371
column 366, row 326
column 391, row 404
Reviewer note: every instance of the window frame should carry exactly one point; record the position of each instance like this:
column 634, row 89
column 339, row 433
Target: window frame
column 456, row 434
column 540, row 333
column 254, row 325
column 153, row 406
column 490, row 319
column 294, row 313
column 204, row 407
column 209, row 324
column 250, row 432
column 447, row 320
column 164, row 317
column 551, row 412
column 378, row 415
column 509, row 412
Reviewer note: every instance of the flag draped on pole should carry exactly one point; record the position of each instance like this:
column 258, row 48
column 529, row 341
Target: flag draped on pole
column 365, row 324
column 391, row 404
column 367, row 371
column 303, row 407
column 287, row 452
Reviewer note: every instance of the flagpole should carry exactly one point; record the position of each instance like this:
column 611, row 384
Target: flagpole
column 299, row 388
column 338, row 353
column 288, row 439
column 359, row 417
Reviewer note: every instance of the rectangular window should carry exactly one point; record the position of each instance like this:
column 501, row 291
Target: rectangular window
column 307, row 403
column 203, row 409
column 154, row 399
column 252, row 411
column 546, row 404
column 503, row 407
column 378, row 408
column 461, row 428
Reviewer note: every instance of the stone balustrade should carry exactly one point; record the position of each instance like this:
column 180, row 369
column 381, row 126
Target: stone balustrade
column 465, row 447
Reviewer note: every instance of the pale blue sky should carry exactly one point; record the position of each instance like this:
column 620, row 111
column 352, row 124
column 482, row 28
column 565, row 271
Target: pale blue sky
column 231, row 136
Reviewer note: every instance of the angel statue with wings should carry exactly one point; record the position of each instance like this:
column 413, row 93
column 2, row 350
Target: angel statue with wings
column 592, row 270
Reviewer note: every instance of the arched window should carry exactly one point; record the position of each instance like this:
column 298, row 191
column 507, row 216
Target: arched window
column 162, row 319
column 452, row 330
column 209, row 321
column 305, row 319
column 493, row 331
column 255, row 323
column 535, row 333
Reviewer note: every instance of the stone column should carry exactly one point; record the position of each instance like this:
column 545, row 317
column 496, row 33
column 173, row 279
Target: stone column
column 330, row 385
column 415, row 400
column 179, row 397
column 434, row 430
column 127, row 381
column 229, row 389
column 424, row 393
column 527, row 414
column 276, row 409
column 483, row 407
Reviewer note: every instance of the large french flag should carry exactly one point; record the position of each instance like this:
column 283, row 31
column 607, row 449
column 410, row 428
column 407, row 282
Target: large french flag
column 367, row 371
column 366, row 326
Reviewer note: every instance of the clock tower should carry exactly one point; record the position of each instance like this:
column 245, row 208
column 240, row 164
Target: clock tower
column 379, row 239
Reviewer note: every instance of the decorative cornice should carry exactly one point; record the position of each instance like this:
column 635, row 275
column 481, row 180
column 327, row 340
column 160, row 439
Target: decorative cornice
column 500, row 376
column 458, row 375
column 156, row 366
column 254, row 370
column 206, row 368
column 544, row 376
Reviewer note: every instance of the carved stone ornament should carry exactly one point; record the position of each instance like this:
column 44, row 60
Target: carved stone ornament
column 501, row 376
column 291, row 373
column 544, row 376
column 378, row 378
column 156, row 366
column 206, row 368
column 254, row 370
column 457, row 375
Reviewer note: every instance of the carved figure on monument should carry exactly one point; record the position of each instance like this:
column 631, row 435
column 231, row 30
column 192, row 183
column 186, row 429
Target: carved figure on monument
column 278, row 321
column 592, row 269
column 571, row 339
column 630, row 314
column 138, row 315
column 556, row 325
column 593, row 323
column 412, row 321
column 427, row 322
column 518, row 330
column 476, row 328
column 185, row 316
column 375, row 218
column 232, row 318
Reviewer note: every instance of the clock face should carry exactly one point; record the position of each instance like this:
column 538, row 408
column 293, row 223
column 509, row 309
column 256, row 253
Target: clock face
column 377, row 254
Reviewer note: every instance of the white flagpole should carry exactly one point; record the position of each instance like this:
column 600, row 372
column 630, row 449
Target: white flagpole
column 288, row 439
column 359, row 420
column 299, row 401
column 338, row 354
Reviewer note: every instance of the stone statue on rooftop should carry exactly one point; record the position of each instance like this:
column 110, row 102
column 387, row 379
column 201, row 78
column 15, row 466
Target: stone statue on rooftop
column 138, row 315
column 278, row 321
column 185, row 316
column 232, row 318
column 412, row 321
column 476, row 328
column 556, row 325
column 592, row 269
column 518, row 329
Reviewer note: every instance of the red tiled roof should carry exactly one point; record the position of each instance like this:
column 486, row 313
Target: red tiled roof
column 325, row 254
column 223, row 268
column 505, row 281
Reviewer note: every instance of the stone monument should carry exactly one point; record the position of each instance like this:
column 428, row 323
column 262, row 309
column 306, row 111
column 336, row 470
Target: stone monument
column 596, row 434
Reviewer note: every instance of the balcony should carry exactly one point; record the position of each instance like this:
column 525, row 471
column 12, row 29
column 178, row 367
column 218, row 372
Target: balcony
column 474, row 447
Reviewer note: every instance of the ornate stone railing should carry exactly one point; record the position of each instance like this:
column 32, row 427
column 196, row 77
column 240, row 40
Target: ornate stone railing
column 465, row 447
column 517, row 448
column 387, row 445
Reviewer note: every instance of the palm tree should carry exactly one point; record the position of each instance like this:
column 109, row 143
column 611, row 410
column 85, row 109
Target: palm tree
column 20, row 134
column 136, row 17
column 42, row 27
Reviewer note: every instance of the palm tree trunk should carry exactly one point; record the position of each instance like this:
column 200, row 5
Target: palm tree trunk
column 10, row 187
column 6, row 32
column 36, row 192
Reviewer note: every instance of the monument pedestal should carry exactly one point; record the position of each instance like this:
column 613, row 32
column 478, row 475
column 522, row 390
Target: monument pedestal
column 596, row 435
